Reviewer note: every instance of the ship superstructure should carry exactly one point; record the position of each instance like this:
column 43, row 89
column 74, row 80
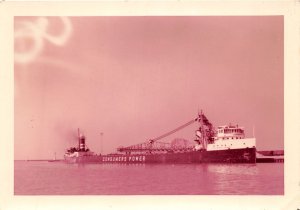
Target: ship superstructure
column 80, row 153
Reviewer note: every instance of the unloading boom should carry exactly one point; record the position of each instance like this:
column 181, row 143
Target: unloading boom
column 153, row 145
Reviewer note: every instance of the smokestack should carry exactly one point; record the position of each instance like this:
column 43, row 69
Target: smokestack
column 81, row 141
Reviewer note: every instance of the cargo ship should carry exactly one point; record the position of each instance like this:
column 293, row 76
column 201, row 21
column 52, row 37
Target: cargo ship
column 224, row 144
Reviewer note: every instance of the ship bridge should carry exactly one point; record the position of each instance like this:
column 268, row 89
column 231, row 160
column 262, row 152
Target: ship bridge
column 229, row 132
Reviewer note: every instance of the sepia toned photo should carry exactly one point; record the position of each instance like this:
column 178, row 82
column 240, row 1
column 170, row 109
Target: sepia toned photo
column 150, row 105
column 141, row 105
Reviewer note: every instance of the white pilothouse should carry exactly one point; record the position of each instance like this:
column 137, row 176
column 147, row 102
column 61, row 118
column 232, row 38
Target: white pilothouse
column 227, row 137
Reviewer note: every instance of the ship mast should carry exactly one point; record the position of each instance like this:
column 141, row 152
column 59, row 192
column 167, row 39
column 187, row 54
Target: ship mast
column 78, row 135
column 202, row 131
column 205, row 133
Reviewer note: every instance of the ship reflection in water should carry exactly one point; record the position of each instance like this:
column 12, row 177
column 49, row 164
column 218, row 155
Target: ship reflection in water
column 44, row 178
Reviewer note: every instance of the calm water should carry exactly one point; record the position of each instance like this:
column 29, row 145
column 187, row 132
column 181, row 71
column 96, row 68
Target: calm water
column 58, row 178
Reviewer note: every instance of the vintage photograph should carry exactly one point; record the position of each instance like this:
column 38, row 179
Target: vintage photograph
column 149, row 105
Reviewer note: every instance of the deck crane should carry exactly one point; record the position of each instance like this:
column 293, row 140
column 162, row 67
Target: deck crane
column 203, row 135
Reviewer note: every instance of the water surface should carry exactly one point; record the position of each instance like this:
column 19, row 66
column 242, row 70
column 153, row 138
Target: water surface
column 58, row 178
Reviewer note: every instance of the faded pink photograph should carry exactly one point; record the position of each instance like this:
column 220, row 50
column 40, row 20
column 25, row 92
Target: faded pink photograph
column 149, row 105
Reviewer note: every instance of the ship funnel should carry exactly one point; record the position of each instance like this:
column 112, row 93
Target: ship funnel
column 81, row 141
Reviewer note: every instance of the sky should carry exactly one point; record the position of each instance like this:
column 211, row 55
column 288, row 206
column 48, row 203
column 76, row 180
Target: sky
column 135, row 78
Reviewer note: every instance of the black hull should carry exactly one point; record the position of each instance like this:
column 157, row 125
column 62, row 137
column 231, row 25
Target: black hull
column 246, row 155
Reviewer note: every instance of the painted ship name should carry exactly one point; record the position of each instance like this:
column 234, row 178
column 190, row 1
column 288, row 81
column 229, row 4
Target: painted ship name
column 140, row 158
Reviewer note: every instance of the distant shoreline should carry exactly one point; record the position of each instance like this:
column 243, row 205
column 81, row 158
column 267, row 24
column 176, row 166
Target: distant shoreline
column 46, row 160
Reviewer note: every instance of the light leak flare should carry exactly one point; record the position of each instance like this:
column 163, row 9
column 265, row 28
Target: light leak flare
column 30, row 37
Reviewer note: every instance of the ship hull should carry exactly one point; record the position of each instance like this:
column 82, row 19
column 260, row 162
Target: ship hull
column 84, row 159
column 244, row 155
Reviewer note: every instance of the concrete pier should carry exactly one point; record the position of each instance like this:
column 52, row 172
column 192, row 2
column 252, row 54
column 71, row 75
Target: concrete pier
column 274, row 156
